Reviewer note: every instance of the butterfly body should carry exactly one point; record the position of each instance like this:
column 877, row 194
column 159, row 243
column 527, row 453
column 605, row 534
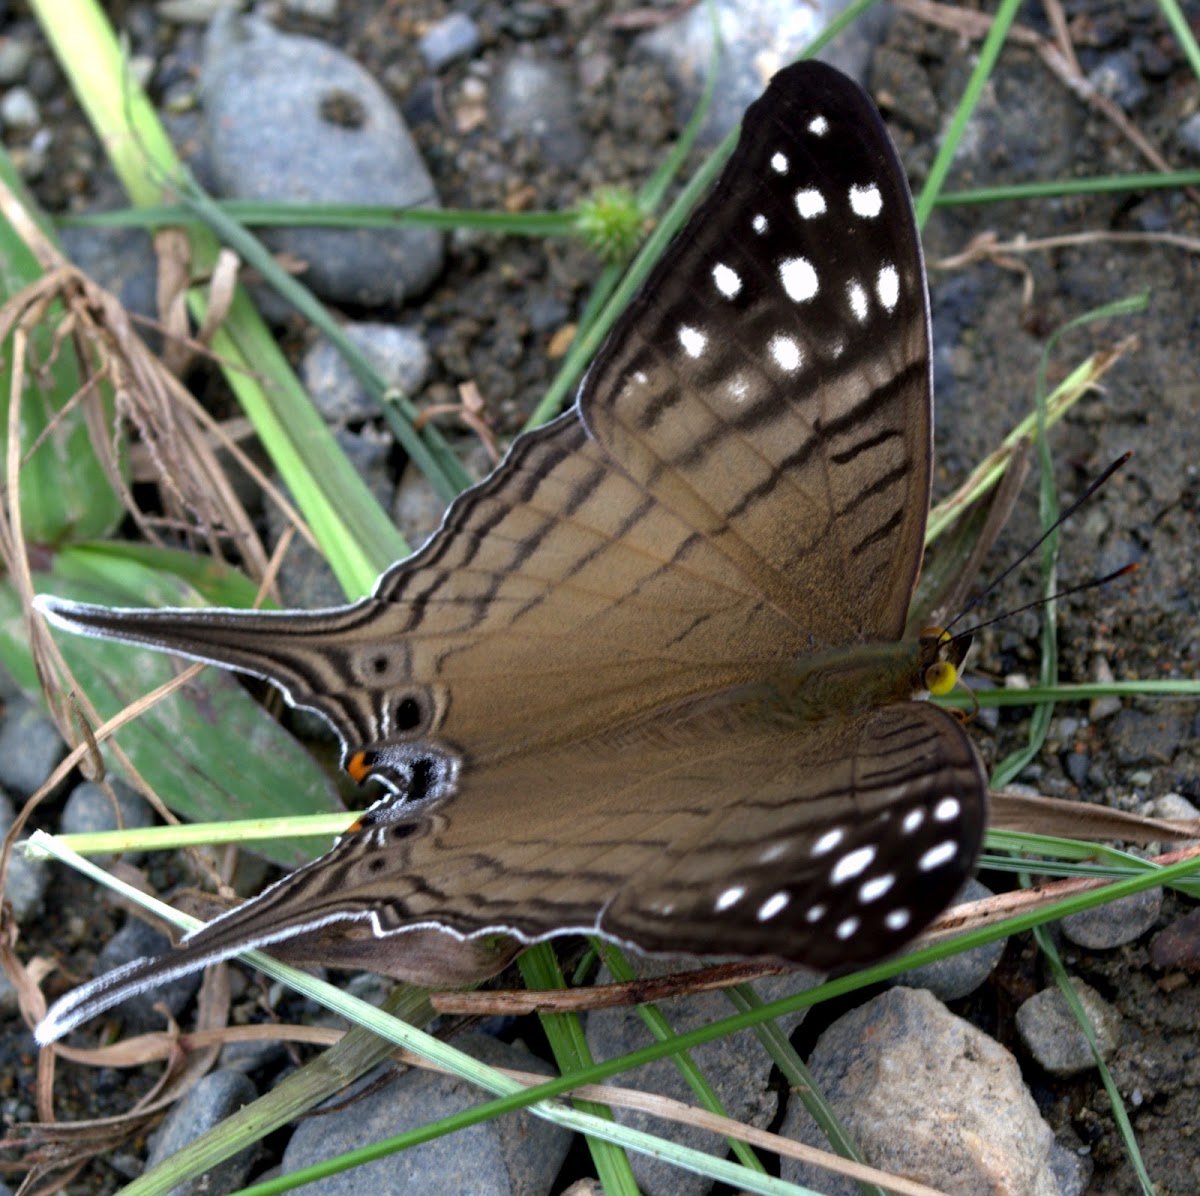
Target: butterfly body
column 649, row 678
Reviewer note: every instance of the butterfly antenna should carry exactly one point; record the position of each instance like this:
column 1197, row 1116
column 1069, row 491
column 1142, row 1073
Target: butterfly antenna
column 1062, row 518
column 1132, row 567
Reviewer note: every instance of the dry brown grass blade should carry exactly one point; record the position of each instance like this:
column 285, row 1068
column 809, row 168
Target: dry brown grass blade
column 1052, row 816
column 196, row 494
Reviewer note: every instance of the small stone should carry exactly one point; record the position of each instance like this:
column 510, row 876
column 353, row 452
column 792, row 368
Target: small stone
column 537, row 100
column 89, row 810
column 454, row 36
column 1115, row 922
column 1189, row 135
column 314, row 10
column 417, row 509
column 15, row 56
column 30, row 749
column 399, row 355
column 508, row 1155
column 925, row 1095
column 1147, row 739
column 1052, row 1035
column 19, row 110
column 1177, row 948
column 290, row 117
column 1119, row 78
column 738, row 1066
column 1175, row 807
column 962, row 973
column 27, row 881
column 218, row 1095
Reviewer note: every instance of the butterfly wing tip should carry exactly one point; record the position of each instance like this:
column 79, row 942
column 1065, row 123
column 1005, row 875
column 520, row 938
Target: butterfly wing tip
column 63, row 612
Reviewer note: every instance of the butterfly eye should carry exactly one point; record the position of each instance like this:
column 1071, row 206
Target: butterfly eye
column 941, row 677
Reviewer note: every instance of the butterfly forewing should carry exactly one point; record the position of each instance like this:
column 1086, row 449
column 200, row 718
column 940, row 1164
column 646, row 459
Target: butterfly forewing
column 643, row 681
column 771, row 382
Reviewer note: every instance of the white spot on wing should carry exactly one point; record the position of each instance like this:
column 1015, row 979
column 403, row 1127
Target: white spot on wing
column 759, row 223
column 912, row 821
column 858, row 301
column 779, row 163
column 809, row 203
column 818, row 126
column 887, row 287
column 898, row 919
column 692, row 340
column 786, row 353
column 730, row 898
column 866, row 201
column 772, row 853
column 772, row 906
column 738, row 389
column 873, row 889
column 799, row 278
column 947, row 809
column 852, row 865
column 815, row 913
column 727, row 280
column 828, row 841
column 935, row 857
column 847, row 928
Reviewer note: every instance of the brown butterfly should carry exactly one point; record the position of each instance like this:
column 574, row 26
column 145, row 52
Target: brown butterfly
column 649, row 680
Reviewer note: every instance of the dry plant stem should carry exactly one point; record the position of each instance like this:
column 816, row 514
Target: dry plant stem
column 603, row 996
column 1063, row 65
column 987, row 246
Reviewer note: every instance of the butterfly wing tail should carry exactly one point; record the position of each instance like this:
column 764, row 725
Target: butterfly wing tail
column 138, row 976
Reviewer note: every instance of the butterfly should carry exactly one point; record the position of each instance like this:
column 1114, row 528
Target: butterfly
column 650, row 679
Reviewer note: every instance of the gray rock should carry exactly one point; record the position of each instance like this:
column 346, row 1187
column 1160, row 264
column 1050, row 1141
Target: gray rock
column 1052, row 1035
column 122, row 260
column 217, row 1096
column 292, row 118
column 314, row 10
column 963, row 972
column 1116, row 922
column 399, row 354
column 16, row 52
column 30, row 749
column 8, row 996
column 305, row 579
column 536, row 99
column 516, row 1154
column 927, row 1096
column 1151, row 739
column 417, row 509
column 1119, row 78
column 27, row 882
column 1174, row 806
column 738, row 1067
column 454, row 36
column 1072, row 1170
column 19, row 110
column 1189, row 135
column 134, row 940
column 89, row 810
column 758, row 37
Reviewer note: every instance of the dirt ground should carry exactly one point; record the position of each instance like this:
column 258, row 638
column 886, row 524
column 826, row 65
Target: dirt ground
column 990, row 338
